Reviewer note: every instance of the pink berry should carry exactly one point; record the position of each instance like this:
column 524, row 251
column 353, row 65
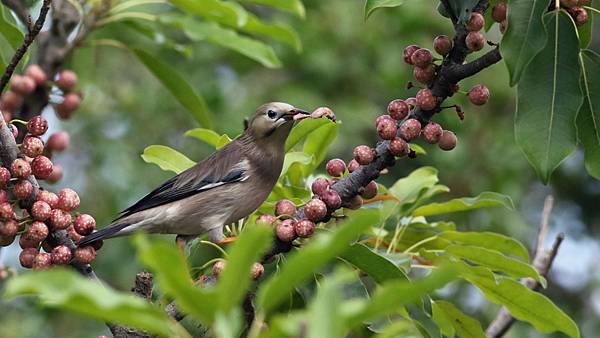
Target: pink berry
column 68, row 200
column 285, row 230
column 410, row 129
column 320, row 185
column 475, row 41
column 398, row 147
column 48, row 197
column 424, row 75
column 42, row 167
column 37, row 232
column 332, row 199
column 70, row 104
column 422, row 57
column 580, row 15
column 447, row 141
column 60, row 219
column 20, row 168
column 363, row 154
column 61, row 255
column 67, row 80
column 398, row 109
column 73, row 235
column 426, row 100
column 285, row 207
column 58, row 141
column 6, row 211
column 85, row 255
column 257, row 271
column 4, row 177
column 9, row 228
column 335, row 167
column 40, row 211
column 32, row 146
column 432, row 133
column 22, row 189
column 3, row 196
column 408, row 52
column 22, row 85
column 57, row 174
column 353, row 165
column 479, row 95
column 84, row 224
column 499, row 12
column 381, row 118
column 315, row 210
column 387, row 129
column 37, row 125
column 476, row 22
column 304, row 228
column 266, row 219
column 42, row 260
column 11, row 101
column 370, row 190
column 37, row 74
column 25, row 242
column 27, row 256
column 442, row 45
column 218, row 267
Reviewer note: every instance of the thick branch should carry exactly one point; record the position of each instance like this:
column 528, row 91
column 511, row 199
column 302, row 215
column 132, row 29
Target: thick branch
column 142, row 288
column 461, row 72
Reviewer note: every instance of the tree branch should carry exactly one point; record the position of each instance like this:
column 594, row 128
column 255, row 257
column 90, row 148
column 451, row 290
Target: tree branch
column 142, row 288
column 542, row 262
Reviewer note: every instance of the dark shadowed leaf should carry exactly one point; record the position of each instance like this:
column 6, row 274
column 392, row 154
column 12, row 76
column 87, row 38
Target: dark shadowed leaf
column 378, row 267
column 446, row 313
column 585, row 31
column 588, row 117
column 463, row 9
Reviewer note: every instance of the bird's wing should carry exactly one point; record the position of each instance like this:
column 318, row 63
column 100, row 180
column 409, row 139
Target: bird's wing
column 222, row 167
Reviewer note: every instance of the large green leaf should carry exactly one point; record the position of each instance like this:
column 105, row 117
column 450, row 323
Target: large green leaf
column 465, row 326
column 9, row 31
column 226, row 12
column 295, row 157
column 372, row 5
column 324, row 316
column 293, row 6
column 490, row 240
column 318, row 144
column 276, row 31
column 177, row 86
column 494, row 260
column 206, row 135
column 549, row 96
column 302, row 264
column 167, row 158
column 302, row 129
column 67, row 290
column 484, row 200
column 526, row 305
column 375, row 265
column 524, row 37
column 409, row 188
column 588, row 117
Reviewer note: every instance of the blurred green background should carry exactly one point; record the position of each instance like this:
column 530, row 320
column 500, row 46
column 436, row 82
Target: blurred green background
column 354, row 67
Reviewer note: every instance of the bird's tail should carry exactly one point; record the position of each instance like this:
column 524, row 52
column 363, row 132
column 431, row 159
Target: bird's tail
column 104, row 233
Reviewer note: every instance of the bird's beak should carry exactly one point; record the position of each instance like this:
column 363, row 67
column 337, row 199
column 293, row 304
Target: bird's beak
column 295, row 111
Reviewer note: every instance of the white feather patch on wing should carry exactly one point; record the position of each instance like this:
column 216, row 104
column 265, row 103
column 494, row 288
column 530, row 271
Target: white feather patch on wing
column 243, row 165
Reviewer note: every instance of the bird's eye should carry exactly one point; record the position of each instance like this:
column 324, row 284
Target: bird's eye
column 271, row 114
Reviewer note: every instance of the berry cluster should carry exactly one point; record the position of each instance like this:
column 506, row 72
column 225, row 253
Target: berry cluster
column 49, row 212
column 22, row 86
column 576, row 10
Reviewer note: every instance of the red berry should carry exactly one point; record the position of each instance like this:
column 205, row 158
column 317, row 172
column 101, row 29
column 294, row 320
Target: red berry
column 285, row 230
column 84, row 224
column 475, row 41
column 386, row 129
column 67, row 80
column 25, row 242
column 381, row 118
column 58, row 141
column 37, row 232
column 57, row 173
column 61, row 255
column 37, row 74
column 22, row 189
column 476, row 22
column 37, row 125
column 398, row 147
column 11, row 101
column 257, row 271
column 70, row 104
column 408, row 52
column 27, row 256
column 315, row 210
column 323, row 112
column 353, row 165
column 424, row 75
column 48, row 197
column 422, row 57
column 447, row 141
column 442, row 45
column 42, row 167
column 60, row 219
column 40, row 211
column 320, row 185
column 426, row 100
column 42, row 260
column 68, row 200
column 479, row 95
column 370, row 190
column 285, row 207
column 85, row 255
column 20, row 168
column 432, row 133
column 398, row 109
column 363, row 154
column 73, row 235
column 410, row 129
column 580, row 15
column 4, row 177
column 218, row 267
column 304, row 228
column 335, row 167
column 499, row 12
column 332, row 199
column 32, row 146
column 3, row 196
column 6, row 211
column 266, row 219
column 9, row 228
column 22, row 85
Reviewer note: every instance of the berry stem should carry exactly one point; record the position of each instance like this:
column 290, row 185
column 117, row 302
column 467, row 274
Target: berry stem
column 589, row 8
column 209, row 243
column 13, row 121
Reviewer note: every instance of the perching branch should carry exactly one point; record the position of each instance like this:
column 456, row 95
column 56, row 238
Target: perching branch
column 142, row 288
column 542, row 262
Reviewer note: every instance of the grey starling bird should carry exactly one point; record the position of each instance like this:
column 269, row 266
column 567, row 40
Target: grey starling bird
column 225, row 187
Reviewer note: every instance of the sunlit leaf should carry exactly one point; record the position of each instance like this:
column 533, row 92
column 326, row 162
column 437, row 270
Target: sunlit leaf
column 465, row 326
column 317, row 145
column 484, row 200
column 588, row 117
column 226, row 12
column 295, row 157
column 167, row 158
column 293, row 6
column 375, row 265
column 9, row 31
column 372, row 5
column 409, row 188
column 302, row 129
column 490, row 240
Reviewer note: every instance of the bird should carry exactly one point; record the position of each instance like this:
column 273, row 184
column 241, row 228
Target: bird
column 224, row 188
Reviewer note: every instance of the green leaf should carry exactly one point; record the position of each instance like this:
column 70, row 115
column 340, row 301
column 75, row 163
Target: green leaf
column 177, row 86
column 372, row 5
column 585, row 31
column 302, row 129
column 549, row 96
column 292, row 6
column 206, row 135
column 588, row 117
column 490, row 240
column 276, row 31
column 443, row 321
column 167, row 158
column 465, row 326
column 373, row 264
column 295, row 157
column 125, row 5
column 303, row 263
column 495, row 261
column 409, row 188
column 9, row 31
column 526, row 305
column 484, row 200
column 65, row 289
column 225, row 12
column 170, row 270
column 317, row 145
column 234, row 281
column 524, row 37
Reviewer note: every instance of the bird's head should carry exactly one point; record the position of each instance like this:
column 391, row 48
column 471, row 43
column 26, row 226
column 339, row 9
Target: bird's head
column 273, row 122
